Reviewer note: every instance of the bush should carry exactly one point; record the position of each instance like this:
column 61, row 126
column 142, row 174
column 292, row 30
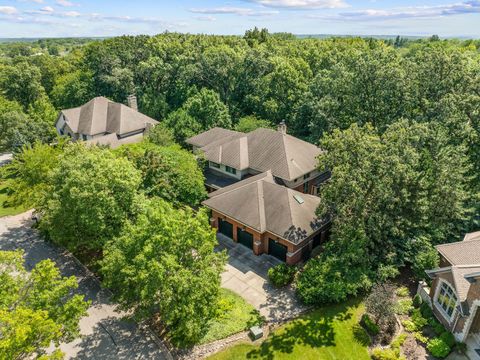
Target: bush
column 369, row 325
column 281, row 275
column 420, row 337
column 426, row 311
column 403, row 291
column 437, row 327
column 448, row 338
column 398, row 342
column 386, row 354
column 404, row 306
column 417, row 301
column 409, row 325
column 438, row 348
column 418, row 319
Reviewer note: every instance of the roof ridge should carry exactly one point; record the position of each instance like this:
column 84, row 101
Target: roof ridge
column 458, row 242
column 265, row 174
column 261, row 205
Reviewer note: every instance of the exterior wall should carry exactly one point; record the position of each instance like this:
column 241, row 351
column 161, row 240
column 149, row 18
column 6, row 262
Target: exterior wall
column 298, row 184
column 222, row 171
column 448, row 278
column 260, row 241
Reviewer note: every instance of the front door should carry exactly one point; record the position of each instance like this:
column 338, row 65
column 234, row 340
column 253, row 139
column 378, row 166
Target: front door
column 278, row 250
column 245, row 238
column 225, row 228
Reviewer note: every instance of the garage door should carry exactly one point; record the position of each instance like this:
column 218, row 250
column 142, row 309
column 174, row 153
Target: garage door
column 276, row 249
column 245, row 238
column 225, row 228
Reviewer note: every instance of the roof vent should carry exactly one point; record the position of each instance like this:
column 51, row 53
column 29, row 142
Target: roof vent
column 299, row 199
column 282, row 127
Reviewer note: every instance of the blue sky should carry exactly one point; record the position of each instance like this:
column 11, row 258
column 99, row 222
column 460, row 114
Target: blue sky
column 53, row 18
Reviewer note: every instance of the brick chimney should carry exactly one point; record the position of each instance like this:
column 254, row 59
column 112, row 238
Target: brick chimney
column 132, row 102
column 282, row 127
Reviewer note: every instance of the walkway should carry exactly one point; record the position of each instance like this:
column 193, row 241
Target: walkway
column 105, row 335
column 246, row 274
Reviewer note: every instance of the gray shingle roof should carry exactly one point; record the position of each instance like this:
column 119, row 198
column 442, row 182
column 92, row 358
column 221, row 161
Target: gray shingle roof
column 262, row 149
column 258, row 202
column 100, row 115
column 465, row 252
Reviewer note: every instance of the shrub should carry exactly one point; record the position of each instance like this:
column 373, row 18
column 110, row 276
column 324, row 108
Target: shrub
column 409, row 325
column 403, row 291
column 426, row 311
column 438, row 348
column 448, row 338
column 281, row 275
column 418, row 319
column 386, row 354
column 369, row 325
column 420, row 337
column 417, row 301
column 404, row 306
column 437, row 327
column 461, row 347
column 398, row 342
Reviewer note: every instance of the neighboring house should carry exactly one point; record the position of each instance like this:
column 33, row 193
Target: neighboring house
column 233, row 156
column 268, row 217
column 104, row 122
column 455, row 290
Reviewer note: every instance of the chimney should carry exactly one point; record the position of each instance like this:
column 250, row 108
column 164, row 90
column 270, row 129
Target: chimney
column 282, row 127
column 132, row 102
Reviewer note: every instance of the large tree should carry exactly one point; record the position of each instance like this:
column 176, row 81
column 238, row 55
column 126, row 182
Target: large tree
column 165, row 263
column 37, row 308
column 385, row 192
column 92, row 195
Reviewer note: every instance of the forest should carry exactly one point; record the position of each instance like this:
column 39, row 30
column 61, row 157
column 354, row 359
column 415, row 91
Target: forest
column 399, row 122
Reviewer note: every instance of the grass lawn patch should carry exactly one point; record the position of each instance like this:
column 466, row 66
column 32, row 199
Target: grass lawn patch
column 5, row 209
column 234, row 316
column 329, row 332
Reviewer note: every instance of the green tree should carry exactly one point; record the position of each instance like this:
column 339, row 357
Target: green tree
column 165, row 263
column 37, row 308
column 161, row 135
column 93, row 194
column 22, row 83
column 72, row 89
column 250, row 123
column 208, row 110
column 183, row 125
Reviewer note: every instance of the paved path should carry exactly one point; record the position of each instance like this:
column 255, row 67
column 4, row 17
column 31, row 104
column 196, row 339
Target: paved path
column 246, row 274
column 104, row 334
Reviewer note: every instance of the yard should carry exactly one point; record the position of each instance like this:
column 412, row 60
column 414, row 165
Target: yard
column 330, row 332
column 5, row 209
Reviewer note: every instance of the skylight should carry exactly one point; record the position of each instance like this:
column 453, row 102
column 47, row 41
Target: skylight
column 299, row 199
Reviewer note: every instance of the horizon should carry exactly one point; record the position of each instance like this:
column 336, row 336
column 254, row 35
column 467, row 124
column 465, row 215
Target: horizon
column 87, row 18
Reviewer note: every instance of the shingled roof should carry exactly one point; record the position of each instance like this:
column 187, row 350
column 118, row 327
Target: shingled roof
column 261, row 204
column 287, row 157
column 466, row 252
column 102, row 116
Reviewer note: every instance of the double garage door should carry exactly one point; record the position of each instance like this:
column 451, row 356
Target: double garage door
column 243, row 237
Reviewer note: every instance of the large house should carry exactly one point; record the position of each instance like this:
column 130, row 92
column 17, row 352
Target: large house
column 233, row 156
column 104, row 122
column 455, row 291
column 264, row 187
column 268, row 218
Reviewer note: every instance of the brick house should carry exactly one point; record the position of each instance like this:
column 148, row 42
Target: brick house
column 455, row 291
column 233, row 156
column 268, row 218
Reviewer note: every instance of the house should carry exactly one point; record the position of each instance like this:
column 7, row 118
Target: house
column 268, row 217
column 104, row 122
column 455, row 291
column 233, row 156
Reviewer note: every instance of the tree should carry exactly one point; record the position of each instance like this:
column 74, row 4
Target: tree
column 22, row 83
column 183, row 125
column 250, row 123
column 381, row 303
column 208, row 110
column 93, row 194
column 165, row 263
column 161, row 135
column 172, row 174
column 72, row 89
column 385, row 191
column 37, row 308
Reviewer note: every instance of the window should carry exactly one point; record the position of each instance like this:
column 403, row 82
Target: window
column 214, row 165
column 306, row 176
column 231, row 170
column 84, row 137
column 447, row 299
column 305, row 187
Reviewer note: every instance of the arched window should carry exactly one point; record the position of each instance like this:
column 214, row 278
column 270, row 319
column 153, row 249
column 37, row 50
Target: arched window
column 447, row 299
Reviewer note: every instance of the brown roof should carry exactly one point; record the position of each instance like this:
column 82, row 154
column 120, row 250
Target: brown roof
column 100, row 116
column 462, row 285
column 261, row 204
column 465, row 252
column 262, row 149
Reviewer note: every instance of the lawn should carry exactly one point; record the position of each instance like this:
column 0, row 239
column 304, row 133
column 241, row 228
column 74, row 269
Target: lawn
column 234, row 316
column 5, row 209
column 330, row 332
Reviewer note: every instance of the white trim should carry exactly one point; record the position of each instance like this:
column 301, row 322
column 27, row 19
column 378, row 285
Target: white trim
column 466, row 328
column 448, row 318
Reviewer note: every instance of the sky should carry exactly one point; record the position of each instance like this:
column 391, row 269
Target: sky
column 62, row 18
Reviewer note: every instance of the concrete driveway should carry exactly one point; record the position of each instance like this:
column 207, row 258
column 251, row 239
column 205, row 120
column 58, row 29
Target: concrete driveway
column 105, row 335
column 246, row 274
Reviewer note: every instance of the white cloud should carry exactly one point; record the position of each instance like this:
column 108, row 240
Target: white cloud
column 8, row 10
column 71, row 14
column 234, row 11
column 205, row 18
column 65, row 3
column 302, row 4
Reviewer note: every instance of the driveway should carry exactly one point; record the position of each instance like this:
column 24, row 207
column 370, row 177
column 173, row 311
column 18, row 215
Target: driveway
column 246, row 274
column 105, row 335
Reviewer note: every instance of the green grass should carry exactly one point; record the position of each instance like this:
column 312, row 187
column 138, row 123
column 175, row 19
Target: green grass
column 234, row 316
column 5, row 209
column 331, row 332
